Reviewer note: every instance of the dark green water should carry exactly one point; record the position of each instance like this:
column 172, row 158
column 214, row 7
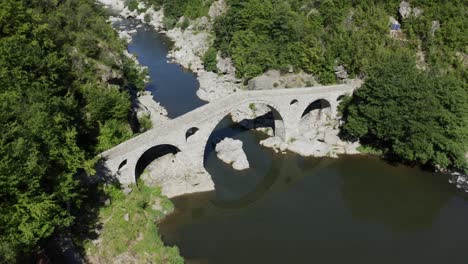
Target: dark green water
column 288, row 209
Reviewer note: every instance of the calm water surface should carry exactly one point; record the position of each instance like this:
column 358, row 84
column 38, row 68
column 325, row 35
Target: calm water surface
column 288, row 209
column 174, row 87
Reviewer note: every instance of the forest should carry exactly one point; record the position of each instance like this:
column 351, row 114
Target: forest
column 57, row 112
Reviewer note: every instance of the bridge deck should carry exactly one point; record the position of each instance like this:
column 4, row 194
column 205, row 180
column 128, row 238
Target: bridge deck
column 224, row 105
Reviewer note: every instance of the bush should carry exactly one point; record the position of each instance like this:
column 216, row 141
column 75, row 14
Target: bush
column 209, row 60
column 145, row 123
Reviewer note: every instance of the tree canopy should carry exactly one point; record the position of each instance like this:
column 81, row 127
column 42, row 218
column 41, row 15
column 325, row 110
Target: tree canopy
column 412, row 115
column 56, row 112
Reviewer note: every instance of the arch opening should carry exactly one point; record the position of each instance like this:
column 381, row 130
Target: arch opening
column 122, row 165
column 341, row 97
column 294, row 102
column 190, row 132
column 240, row 124
column 316, row 118
column 151, row 155
column 321, row 105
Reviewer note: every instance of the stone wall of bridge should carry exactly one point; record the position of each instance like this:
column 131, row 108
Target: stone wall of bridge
column 189, row 133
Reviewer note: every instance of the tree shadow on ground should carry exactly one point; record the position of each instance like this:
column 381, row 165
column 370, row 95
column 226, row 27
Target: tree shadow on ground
column 68, row 245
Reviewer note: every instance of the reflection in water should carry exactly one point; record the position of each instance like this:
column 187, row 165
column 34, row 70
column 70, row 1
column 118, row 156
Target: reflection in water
column 348, row 210
column 173, row 87
column 400, row 197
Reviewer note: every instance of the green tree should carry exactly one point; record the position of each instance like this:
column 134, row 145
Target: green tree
column 412, row 115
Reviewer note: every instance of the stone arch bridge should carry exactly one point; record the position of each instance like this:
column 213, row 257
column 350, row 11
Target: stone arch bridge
column 188, row 134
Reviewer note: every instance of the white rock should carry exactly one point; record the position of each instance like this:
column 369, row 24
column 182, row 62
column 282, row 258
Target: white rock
column 275, row 143
column 125, row 36
column 274, row 79
column 225, row 65
column 217, row 8
column 405, row 9
column 307, row 148
column 230, row 151
column 175, row 176
column 214, row 86
column 417, row 12
column 434, row 27
column 146, row 105
column 114, row 4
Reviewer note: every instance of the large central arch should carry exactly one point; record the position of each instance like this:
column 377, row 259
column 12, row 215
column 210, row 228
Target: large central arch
column 224, row 127
column 151, row 155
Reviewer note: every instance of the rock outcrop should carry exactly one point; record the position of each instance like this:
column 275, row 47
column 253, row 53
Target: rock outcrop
column 230, row 151
column 274, row 79
column 340, row 72
column 405, row 10
column 214, row 86
column 189, row 48
column 217, row 9
column 145, row 105
column 171, row 174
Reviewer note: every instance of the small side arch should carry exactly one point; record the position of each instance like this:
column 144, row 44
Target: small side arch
column 319, row 104
column 152, row 154
column 294, row 102
column 122, row 165
column 341, row 97
column 190, row 132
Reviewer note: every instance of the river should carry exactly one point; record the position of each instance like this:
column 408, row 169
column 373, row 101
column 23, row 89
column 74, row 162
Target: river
column 289, row 209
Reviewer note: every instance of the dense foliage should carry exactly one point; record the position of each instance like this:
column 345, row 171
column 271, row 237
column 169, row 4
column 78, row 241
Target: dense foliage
column 316, row 35
column 57, row 111
column 129, row 231
column 174, row 9
column 412, row 115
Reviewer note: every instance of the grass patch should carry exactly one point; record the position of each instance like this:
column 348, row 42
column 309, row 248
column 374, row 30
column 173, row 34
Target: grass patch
column 129, row 229
column 145, row 123
column 366, row 149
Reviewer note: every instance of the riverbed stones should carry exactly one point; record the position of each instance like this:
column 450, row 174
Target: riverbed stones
column 145, row 105
column 230, row 151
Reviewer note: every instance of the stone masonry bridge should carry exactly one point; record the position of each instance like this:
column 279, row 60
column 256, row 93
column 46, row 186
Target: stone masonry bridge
column 188, row 134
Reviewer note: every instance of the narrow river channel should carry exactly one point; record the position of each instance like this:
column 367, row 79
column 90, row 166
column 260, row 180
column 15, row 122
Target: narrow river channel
column 289, row 209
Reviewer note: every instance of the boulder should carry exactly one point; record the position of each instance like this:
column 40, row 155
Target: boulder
column 125, row 36
column 417, row 12
column 230, row 151
column 217, row 9
column 214, row 86
column 340, row 72
column 189, row 46
column 276, row 143
column 434, row 27
column 225, row 65
column 405, row 10
column 145, row 105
